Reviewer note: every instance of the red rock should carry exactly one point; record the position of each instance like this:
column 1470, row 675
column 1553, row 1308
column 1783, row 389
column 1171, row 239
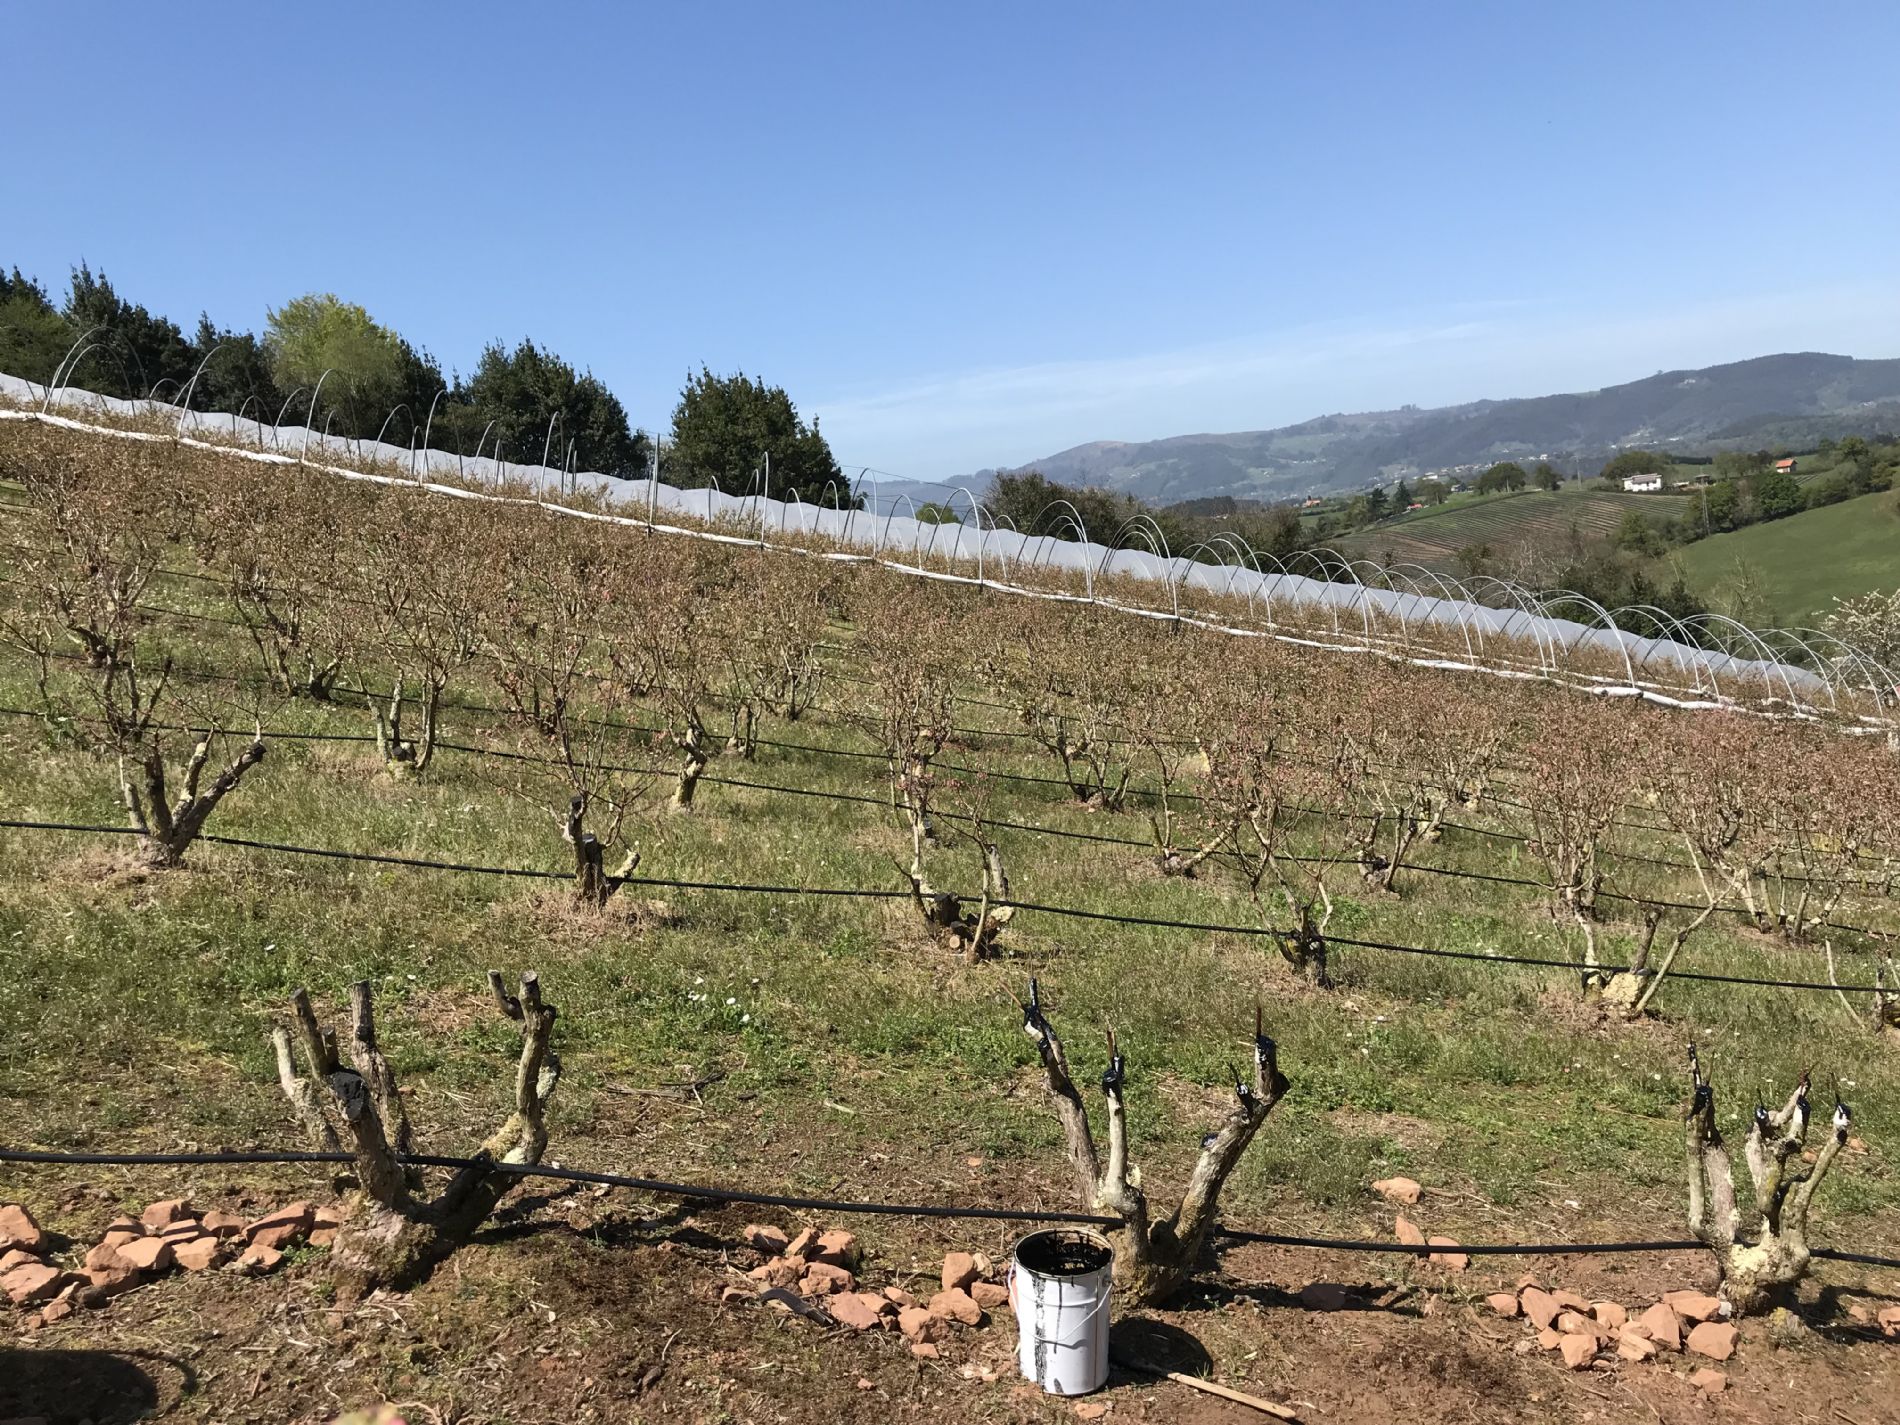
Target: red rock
column 838, row 1249
column 17, row 1258
column 1714, row 1339
column 1636, row 1348
column 1860, row 1314
column 1610, row 1316
column 103, row 1285
column 1571, row 1300
column 279, row 1235
column 222, row 1224
column 918, row 1324
column 1090, row 1410
column 33, row 1282
column 163, row 1214
column 1709, row 1380
column 1692, row 1306
column 1550, row 1339
column 1502, row 1303
column 197, row 1254
column 1408, row 1233
column 57, row 1310
column 1889, row 1319
column 1659, row 1323
column 322, row 1236
column 116, row 1234
column 851, row 1309
column 105, row 1257
column 802, row 1244
column 1397, row 1190
column 767, row 1239
column 989, row 1295
column 959, row 1270
column 1540, row 1306
column 1452, row 1261
column 780, row 1271
column 148, row 1254
column 898, row 1296
column 282, row 1227
column 823, row 1279
column 957, row 1305
column 1578, row 1349
column 261, row 1258
column 18, row 1229
column 183, row 1227
column 924, row 1351
column 327, row 1214
column 1573, row 1323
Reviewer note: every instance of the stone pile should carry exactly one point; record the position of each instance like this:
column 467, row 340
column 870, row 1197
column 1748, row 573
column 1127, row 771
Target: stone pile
column 820, row 1270
column 1582, row 1330
column 168, row 1236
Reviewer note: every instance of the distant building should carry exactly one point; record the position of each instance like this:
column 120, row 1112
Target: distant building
column 1642, row 484
column 1785, row 465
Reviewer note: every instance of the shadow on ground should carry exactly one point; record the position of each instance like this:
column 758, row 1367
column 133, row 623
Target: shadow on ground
column 66, row 1387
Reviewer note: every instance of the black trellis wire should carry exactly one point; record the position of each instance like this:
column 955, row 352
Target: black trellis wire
column 878, row 893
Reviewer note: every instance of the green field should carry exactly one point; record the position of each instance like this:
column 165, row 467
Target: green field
column 1433, row 537
column 1800, row 564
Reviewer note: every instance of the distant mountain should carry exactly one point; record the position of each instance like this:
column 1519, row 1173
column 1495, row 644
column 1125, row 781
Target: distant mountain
column 1794, row 399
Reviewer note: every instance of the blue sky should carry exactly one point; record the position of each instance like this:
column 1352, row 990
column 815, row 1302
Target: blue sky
column 972, row 235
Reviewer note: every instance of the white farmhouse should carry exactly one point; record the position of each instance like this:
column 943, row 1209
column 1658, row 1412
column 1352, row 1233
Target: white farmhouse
column 1642, row 484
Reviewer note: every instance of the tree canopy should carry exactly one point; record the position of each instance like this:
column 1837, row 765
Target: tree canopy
column 318, row 333
column 724, row 427
column 1505, row 475
column 529, row 392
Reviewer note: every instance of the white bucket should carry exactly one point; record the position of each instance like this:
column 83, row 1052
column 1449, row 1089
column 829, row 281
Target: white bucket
column 1059, row 1285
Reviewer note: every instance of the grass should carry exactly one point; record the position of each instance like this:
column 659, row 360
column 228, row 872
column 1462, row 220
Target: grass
column 1433, row 537
column 1801, row 564
column 839, row 1051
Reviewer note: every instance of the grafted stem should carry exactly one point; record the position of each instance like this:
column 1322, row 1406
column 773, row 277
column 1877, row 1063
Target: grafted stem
column 1758, row 1274
column 395, row 1237
column 1153, row 1259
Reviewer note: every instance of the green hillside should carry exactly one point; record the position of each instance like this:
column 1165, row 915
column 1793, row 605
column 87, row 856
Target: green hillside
column 1433, row 537
column 1799, row 565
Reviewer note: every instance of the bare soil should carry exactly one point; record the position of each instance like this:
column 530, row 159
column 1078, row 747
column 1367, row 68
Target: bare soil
column 576, row 1308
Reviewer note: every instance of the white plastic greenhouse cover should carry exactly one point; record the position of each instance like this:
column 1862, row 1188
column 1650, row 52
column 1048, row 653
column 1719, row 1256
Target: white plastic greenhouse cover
column 887, row 532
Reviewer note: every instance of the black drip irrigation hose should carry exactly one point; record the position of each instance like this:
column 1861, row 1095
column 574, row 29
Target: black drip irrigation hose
column 872, row 893
column 883, row 1209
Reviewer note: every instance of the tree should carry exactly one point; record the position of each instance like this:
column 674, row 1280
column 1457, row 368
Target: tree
column 528, row 391
column 1033, row 504
column 392, row 1237
column 236, row 375
column 1775, row 494
column 1505, row 475
column 1402, row 497
column 1152, row 1259
column 319, row 332
column 1756, row 1275
column 1545, row 477
column 1636, row 535
column 1376, row 505
column 1433, row 492
column 725, row 427
column 936, row 512
column 33, row 335
column 137, row 352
